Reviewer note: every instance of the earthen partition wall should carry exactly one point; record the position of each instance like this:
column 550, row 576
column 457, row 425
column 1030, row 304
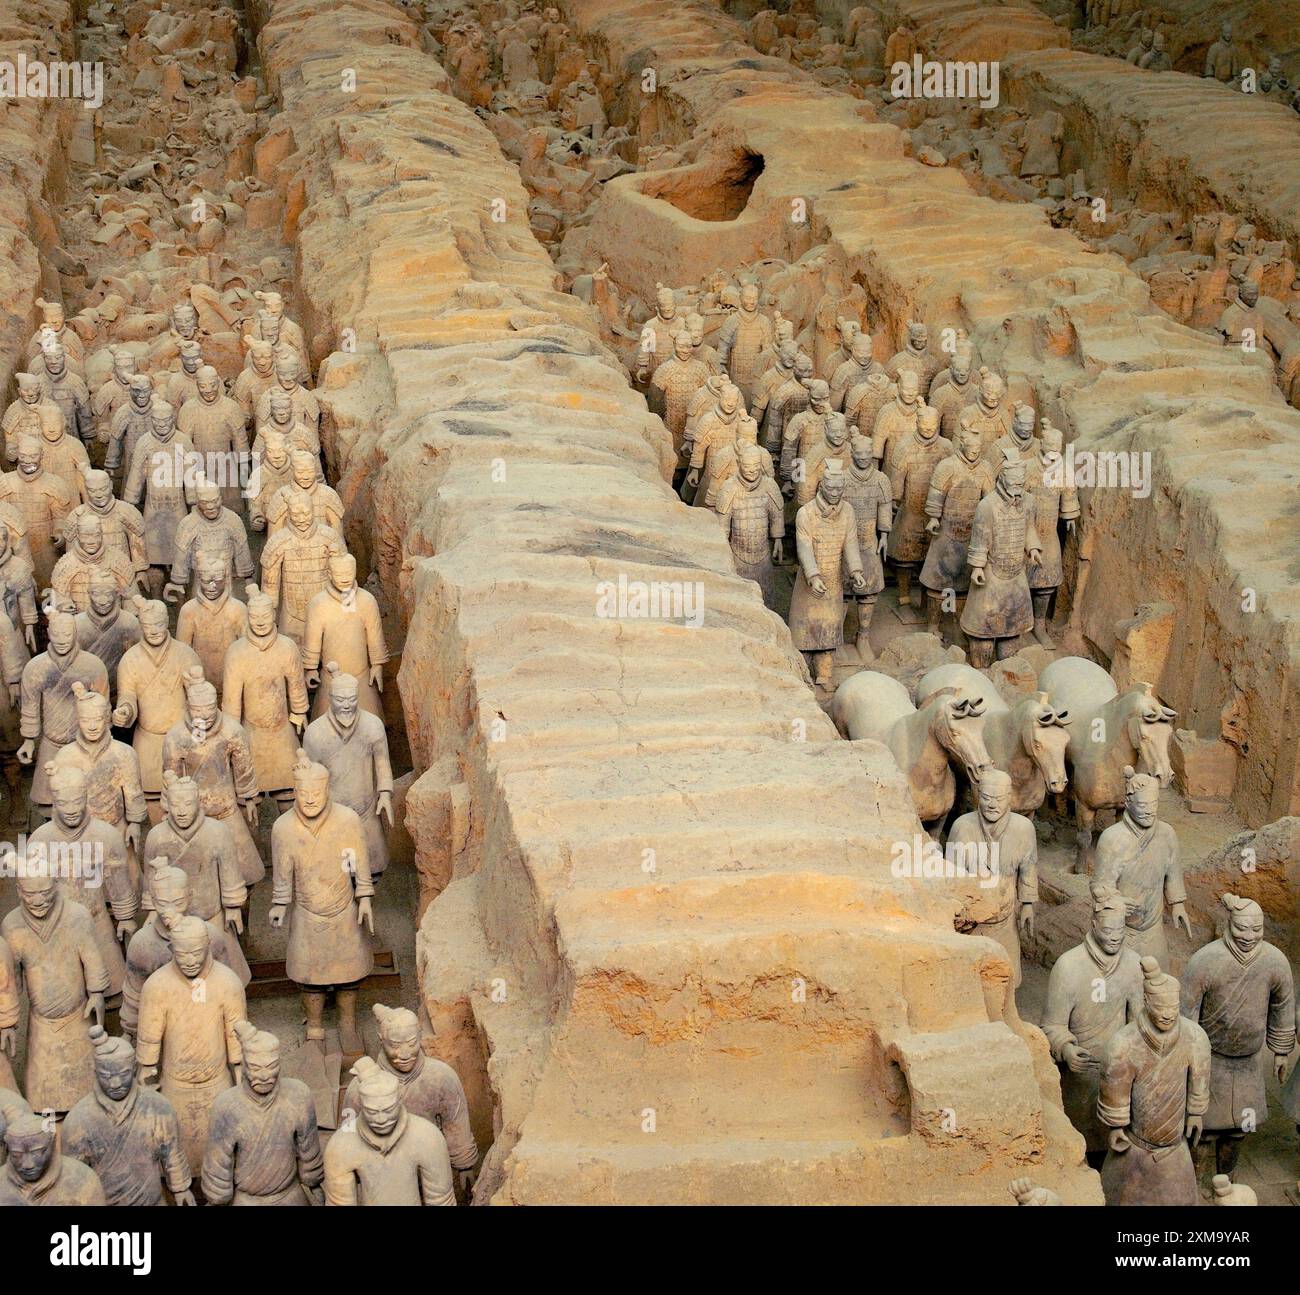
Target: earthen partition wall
column 33, row 140
column 1073, row 329
column 669, row 957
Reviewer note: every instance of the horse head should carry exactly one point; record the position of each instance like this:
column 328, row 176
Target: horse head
column 1150, row 730
column 957, row 724
column 1045, row 736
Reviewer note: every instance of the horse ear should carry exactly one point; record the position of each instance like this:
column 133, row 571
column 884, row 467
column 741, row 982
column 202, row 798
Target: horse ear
column 959, row 705
column 976, row 706
column 1062, row 716
column 1167, row 713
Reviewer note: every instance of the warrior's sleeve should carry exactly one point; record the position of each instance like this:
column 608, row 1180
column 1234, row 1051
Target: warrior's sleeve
column 789, row 435
column 132, row 985
column 1175, row 890
column 1031, row 535
column 232, row 688
column 762, row 394
column 884, row 513
column 1192, row 986
column 219, row 1158
column 977, row 554
column 114, row 436
column 1281, row 1009
column 726, row 340
column 171, row 1154
column 775, row 510
column 184, row 634
column 296, row 682
column 182, row 552
column 230, row 880
column 92, row 961
column 133, row 488
column 132, row 790
column 234, row 1008
column 281, row 873
column 803, row 544
column 243, row 559
column 1056, row 1015
column 27, row 602
column 31, row 689
column 938, row 492
column 436, row 1185
column 1027, row 872
column 9, row 1006
column 363, row 885
column 306, row 1144
column 453, row 1113
column 1117, row 1074
column 122, row 897
column 272, row 560
column 13, row 653
column 340, row 1181
column 383, row 764
column 1198, row 1075
column 241, row 765
column 376, row 647
column 852, row 553
column 239, row 436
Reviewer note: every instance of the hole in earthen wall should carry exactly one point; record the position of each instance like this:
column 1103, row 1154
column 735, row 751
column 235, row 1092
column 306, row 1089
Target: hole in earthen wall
column 710, row 191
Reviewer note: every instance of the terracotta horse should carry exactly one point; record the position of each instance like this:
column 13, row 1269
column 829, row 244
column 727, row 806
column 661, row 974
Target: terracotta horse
column 926, row 742
column 1107, row 731
column 1026, row 739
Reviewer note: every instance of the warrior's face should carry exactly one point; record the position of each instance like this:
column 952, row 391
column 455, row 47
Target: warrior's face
column 29, row 394
column 30, row 1155
column 1143, row 805
column 343, row 704
column 666, row 303
column 1108, row 930
column 29, row 458
column 1011, row 483
column 301, row 514
column 92, row 722
column 190, row 361
column 212, row 580
column 209, row 502
column 262, row 1071
column 401, row 1047
column 803, row 371
column 918, row 339
column 103, row 596
column 263, row 361
column 141, row 395
column 99, row 490
column 281, row 409
column 1023, row 423
column 304, row 471
column 261, row 618
column 382, row 1111
column 209, row 387
column 70, row 802
column 695, row 329
column 991, row 391
column 115, row 1075
column 286, row 377
column 153, row 627
column 970, row 443
column 312, row 795
column 837, row 430
column 90, row 534
column 186, row 323
column 190, row 950
column 1163, row 1010
column 831, row 490
column 277, row 448
column 183, row 805
column 729, row 401
column 54, row 317
column 749, row 298
column 203, row 716
column 63, row 634
column 37, row 895
column 171, row 905
column 994, row 799
column 1246, row 928
column 1249, row 294
column 909, row 388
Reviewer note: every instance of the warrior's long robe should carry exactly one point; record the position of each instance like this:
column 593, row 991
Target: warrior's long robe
column 348, row 630
column 50, row 709
column 210, row 627
column 262, row 686
column 58, row 960
column 1245, row 1003
column 66, row 1182
column 205, row 853
column 360, row 769
column 409, row 1166
column 1090, row 995
column 188, row 1031
column 1143, row 865
column 263, row 1149
column 132, row 1145
column 1150, row 1084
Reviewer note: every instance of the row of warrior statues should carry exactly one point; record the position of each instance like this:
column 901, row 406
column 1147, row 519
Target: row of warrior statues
column 924, row 461
column 134, row 882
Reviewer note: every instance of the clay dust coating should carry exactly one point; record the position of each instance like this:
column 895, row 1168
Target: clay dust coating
column 722, row 574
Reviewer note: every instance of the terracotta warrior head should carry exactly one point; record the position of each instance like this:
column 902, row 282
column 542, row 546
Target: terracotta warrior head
column 836, row 430
column 61, row 627
column 105, row 597
column 29, row 1141
column 1159, row 996
column 819, row 395
column 200, row 701
column 191, row 357
column 31, row 456
column 263, row 354
column 281, row 407
column 927, row 422
column 1022, row 423
column 311, row 785
column 29, row 389
column 53, row 423
column 343, row 695
column 69, row 794
column 831, row 488
column 208, row 382
column 381, row 1097
column 185, row 319
column 918, row 338
column 162, row 419
column 141, row 391
column 1109, row 919
column 683, row 345
column 92, row 712
column 861, row 348
column 970, row 443
column 342, row 571
column 399, row 1036
column 169, row 888
column 261, row 614
column 991, row 390
column 90, row 534
column 261, row 1058
column 1245, row 928
column 909, row 388
column 286, row 373
column 1011, row 478
column 180, row 797
column 56, row 360
column 994, row 795
column 191, row 947
column 124, row 364
column 1141, row 797
column 749, row 466
column 804, row 371
column 154, row 628
column 665, row 302
column 114, row 1064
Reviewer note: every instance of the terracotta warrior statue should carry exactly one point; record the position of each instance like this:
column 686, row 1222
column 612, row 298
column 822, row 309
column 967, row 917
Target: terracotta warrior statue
column 674, row 382
column 990, row 414
column 772, row 378
column 801, row 433
column 131, row 423
column 295, row 564
column 305, row 406
column 42, row 500
column 203, row 849
column 958, row 484
column 52, row 941
column 123, row 525
column 916, row 357
column 304, row 478
column 344, row 625
column 49, row 710
column 657, row 334
column 62, row 386
column 168, row 890
column 1139, row 857
column 1003, row 540
column 209, row 528
column 714, row 429
column 23, row 416
column 127, row 1133
column 151, row 693
column 1154, row 1092
column 826, row 538
column 263, row 1142
column 429, row 1088
column 88, row 554
column 186, row 1032
column 868, row 492
column 160, row 481
column 744, row 338
column 256, row 377
column 1019, row 442
column 36, row 1174
column 889, row 434
column 1007, row 843
column 954, row 395
column 18, row 590
column 321, row 864
column 218, row 431
column 855, row 370
column 114, row 392
column 1094, row 989
column 62, row 455
column 1240, row 990
column 1222, row 60
column 182, row 381
column 909, row 466
column 386, row 1155
column 213, row 619
column 789, row 400
column 1054, row 499
column 90, row 859
column 264, row 689
column 352, row 744
column 299, row 435
column 54, row 329
column 272, row 470
column 106, row 628
column 753, row 514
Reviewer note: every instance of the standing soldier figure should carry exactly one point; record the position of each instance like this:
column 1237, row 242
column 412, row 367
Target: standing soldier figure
column 1054, row 499
column 867, row 490
column 753, row 515
column 743, row 339
column 909, row 468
